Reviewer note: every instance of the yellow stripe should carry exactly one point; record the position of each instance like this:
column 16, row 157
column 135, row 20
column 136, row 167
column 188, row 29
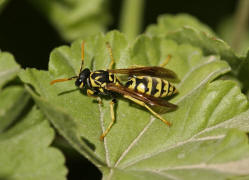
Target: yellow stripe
column 93, row 82
column 133, row 85
column 149, row 85
column 103, row 84
column 101, row 90
column 110, row 77
column 116, row 82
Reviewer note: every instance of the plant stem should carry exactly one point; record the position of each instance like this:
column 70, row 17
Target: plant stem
column 241, row 22
column 131, row 18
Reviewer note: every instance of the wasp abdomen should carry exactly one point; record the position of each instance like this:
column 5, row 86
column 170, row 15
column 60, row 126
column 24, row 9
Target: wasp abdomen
column 151, row 86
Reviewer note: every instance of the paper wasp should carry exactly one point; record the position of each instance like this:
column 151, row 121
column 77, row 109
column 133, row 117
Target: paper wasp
column 146, row 86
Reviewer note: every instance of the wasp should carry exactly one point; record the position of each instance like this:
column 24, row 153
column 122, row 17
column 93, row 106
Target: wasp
column 146, row 86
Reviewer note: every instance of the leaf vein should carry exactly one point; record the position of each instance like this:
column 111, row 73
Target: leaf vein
column 134, row 142
column 181, row 143
column 101, row 118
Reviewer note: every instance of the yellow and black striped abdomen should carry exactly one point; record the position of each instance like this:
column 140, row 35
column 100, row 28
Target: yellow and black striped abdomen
column 152, row 86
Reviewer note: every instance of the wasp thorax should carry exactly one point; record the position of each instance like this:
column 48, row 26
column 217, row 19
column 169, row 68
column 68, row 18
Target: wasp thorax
column 81, row 80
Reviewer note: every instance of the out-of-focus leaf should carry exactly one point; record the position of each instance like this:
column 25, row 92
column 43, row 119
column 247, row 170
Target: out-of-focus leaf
column 3, row 4
column 13, row 101
column 169, row 23
column 8, row 68
column 226, row 30
column 140, row 145
column 196, row 34
column 24, row 151
column 244, row 73
column 73, row 18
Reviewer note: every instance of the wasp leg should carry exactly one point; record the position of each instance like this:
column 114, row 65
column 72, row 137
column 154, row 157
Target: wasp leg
column 112, row 122
column 91, row 93
column 110, row 52
column 166, row 61
column 147, row 107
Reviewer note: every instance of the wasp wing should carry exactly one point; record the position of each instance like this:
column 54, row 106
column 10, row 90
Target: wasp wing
column 154, row 71
column 159, row 105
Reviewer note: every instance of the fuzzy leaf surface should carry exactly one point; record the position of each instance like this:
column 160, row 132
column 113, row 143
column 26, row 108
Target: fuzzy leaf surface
column 8, row 68
column 13, row 101
column 25, row 151
column 186, row 29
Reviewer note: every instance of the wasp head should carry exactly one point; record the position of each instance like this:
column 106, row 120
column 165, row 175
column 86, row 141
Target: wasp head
column 82, row 78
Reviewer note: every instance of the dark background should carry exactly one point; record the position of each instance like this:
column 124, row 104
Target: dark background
column 30, row 38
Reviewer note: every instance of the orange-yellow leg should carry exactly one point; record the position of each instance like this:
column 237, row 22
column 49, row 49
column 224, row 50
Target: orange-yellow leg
column 166, row 61
column 141, row 103
column 110, row 52
column 112, row 122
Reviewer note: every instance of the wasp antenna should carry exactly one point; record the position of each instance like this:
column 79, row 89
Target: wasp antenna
column 62, row 80
column 110, row 52
column 82, row 55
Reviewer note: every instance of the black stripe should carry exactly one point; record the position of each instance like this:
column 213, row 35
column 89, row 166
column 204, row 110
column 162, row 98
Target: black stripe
column 168, row 88
column 162, row 88
column 173, row 89
column 146, row 81
column 153, row 88
column 129, row 83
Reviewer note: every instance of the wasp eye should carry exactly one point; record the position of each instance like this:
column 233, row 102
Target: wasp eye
column 78, row 82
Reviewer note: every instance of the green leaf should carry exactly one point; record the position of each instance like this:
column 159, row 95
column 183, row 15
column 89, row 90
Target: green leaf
column 200, row 159
column 167, row 24
column 13, row 101
column 194, row 33
column 133, row 148
column 74, row 19
column 8, row 68
column 24, row 151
